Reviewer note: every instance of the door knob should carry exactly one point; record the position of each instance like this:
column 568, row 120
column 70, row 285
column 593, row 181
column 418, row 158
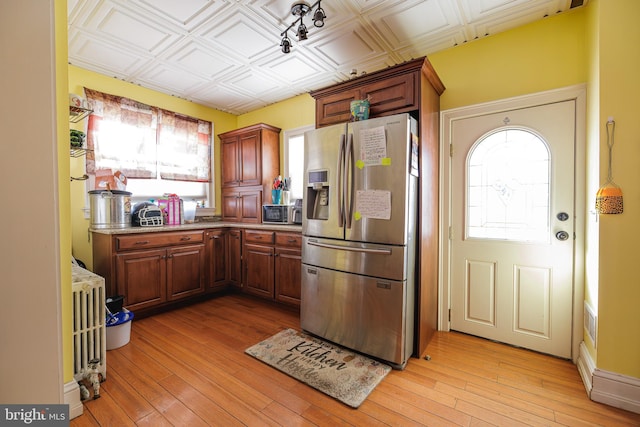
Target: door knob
column 562, row 235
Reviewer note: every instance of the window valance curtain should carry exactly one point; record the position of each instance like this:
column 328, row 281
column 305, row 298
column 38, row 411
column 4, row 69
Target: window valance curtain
column 184, row 145
column 122, row 134
column 143, row 141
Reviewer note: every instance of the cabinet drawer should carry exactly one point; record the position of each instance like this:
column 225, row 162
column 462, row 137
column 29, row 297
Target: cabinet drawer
column 292, row 240
column 150, row 240
column 256, row 236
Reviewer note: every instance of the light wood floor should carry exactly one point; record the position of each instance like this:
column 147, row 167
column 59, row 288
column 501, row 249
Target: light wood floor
column 187, row 367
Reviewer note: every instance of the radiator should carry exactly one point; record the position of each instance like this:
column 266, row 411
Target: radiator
column 89, row 329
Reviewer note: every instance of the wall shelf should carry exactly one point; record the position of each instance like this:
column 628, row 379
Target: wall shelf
column 78, row 113
column 78, row 151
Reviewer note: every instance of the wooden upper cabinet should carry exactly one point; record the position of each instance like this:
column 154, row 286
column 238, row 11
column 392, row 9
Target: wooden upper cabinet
column 335, row 108
column 229, row 152
column 250, row 156
column 250, row 160
column 393, row 95
column 390, row 91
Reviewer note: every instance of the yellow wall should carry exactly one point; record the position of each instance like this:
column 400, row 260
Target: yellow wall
column 289, row 114
column 619, row 91
column 544, row 55
column 592, row 243
column 79, row 78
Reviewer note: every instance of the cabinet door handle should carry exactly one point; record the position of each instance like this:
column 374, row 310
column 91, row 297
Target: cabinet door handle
column 142, row 242
column 291, row 240
column 185, row 238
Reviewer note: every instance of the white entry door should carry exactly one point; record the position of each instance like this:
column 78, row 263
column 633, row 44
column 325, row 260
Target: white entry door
column 512, row 226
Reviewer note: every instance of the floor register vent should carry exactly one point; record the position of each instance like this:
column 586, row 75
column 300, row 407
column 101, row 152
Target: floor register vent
column 590, row 323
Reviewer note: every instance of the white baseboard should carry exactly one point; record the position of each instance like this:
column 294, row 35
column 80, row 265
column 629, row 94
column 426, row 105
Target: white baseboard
column 72, row 398
column 616, row 390
column 606, row 387
column 586, row 367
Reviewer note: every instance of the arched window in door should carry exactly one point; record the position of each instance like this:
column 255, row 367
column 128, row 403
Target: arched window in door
column 508, row 187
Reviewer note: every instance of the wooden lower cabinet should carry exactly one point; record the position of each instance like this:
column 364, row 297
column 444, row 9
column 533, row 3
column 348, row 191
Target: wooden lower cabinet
column 234, row 261
column 288, row 265
column 151, row 269
column 154, row 270
column 150, row 277
column 185, row 271
column 142, row 278
column 258, row 267
column 216, row 261
column 272, row 265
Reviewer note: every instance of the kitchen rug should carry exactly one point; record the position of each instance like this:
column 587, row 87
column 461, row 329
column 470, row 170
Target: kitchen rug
column 340, row 373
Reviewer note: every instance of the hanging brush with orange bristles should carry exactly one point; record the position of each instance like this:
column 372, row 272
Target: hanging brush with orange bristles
column 609, row 196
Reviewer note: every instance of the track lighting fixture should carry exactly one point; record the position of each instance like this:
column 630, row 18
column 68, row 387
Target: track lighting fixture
column 319, row 16
column 286, row 44
column 302, row 32
column 300, row 9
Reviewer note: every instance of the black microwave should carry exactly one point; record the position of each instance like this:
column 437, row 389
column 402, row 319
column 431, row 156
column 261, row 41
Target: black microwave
column 279, row 214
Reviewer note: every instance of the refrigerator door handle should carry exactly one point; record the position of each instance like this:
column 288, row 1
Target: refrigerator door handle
column 351, row 249
column 340, row 180
column 348, row 181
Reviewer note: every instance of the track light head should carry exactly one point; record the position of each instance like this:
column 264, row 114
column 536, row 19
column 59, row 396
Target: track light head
column 319, row 17
column 302, row 31
column 285, row 44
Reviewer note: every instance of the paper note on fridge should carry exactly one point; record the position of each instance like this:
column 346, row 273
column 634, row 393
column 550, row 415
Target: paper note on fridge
column 373, row 143
column 374, row 204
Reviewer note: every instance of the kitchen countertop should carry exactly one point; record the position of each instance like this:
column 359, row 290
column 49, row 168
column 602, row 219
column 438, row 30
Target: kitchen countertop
column 198, row 226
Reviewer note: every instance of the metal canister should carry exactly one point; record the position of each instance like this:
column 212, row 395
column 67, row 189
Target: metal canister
column 110, row 208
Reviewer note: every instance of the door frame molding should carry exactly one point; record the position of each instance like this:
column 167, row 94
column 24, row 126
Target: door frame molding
column 578, row 94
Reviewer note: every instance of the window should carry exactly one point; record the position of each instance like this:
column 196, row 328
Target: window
column 159, row 151
column 294, row 159
column 508, row 187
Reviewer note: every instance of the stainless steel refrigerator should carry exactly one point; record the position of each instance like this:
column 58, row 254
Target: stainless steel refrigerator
column 359, row 231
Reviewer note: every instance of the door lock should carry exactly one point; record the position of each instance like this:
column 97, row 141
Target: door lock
column 562, row 216
column 562, row 235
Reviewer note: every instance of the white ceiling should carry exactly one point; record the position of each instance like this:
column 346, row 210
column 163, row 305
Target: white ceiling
column 226, row 54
